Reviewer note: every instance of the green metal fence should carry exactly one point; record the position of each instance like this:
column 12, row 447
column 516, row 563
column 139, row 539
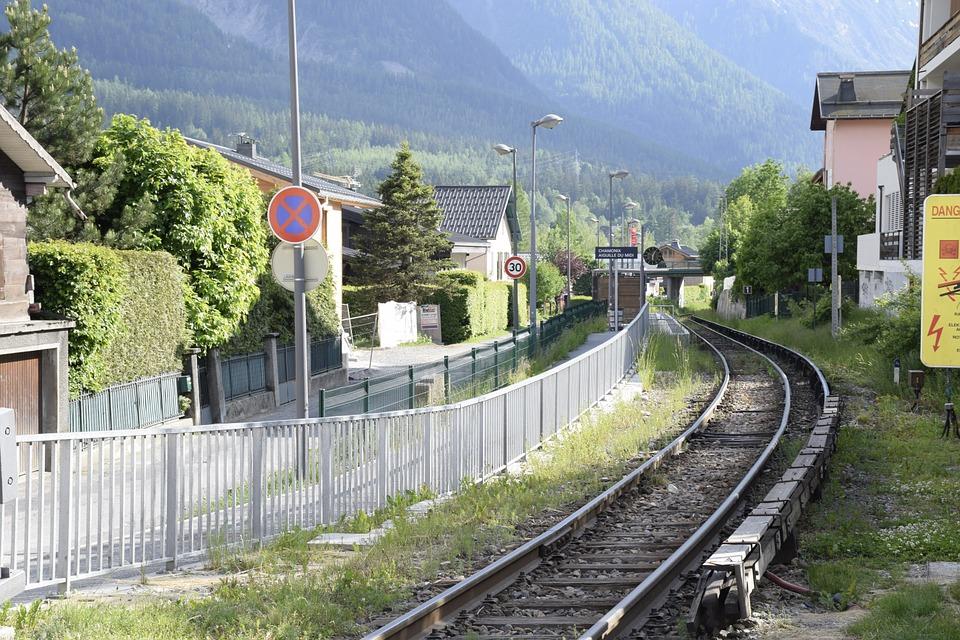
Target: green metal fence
column 481, row 370
column 127, row 406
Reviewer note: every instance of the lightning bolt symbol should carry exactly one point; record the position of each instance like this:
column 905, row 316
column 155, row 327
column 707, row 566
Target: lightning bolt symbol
column 943, row 274
column 935, row 331
column 956, row 273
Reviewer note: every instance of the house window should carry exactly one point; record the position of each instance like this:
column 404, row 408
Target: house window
column 894, row 208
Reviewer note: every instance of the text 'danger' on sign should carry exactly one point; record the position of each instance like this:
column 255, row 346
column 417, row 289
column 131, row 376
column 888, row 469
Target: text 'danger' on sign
column 294, row 214
column 940, row 286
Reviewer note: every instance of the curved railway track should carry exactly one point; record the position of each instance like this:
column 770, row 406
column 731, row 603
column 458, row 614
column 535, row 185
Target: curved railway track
column 606, row 568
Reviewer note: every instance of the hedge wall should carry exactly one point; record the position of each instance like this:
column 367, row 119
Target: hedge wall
column 524, row 314
column 128, row 307
column 469, row 305
column 153, row 318
column 273, row 313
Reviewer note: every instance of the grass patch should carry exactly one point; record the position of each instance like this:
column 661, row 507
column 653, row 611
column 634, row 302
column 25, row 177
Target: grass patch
column 913, row 612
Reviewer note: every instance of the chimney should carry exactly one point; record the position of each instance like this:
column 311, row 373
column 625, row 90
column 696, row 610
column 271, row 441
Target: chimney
column 246, row 146
column 846, row 93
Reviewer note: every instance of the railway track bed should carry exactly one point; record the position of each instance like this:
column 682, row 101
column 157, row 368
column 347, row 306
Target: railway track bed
column 620, row 559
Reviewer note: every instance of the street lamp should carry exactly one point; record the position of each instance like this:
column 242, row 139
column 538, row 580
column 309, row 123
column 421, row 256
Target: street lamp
column 611, row 293
column 503, row 150
column 567, row 200
column 548, row 121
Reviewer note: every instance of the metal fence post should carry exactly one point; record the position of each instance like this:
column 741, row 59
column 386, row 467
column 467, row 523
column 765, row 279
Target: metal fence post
column 65, row 516
column 496, row 365
column 483, row 438
column 428, row 452
column 473, row 366
column 326, row 473
column 366, row 396
column 215, row 391
column 411, row 388
column 382, row 470
column 256, row 485
column 446, row 379
column 271, row 366
column 323, row 403
column 457, row 449
column 171, row 510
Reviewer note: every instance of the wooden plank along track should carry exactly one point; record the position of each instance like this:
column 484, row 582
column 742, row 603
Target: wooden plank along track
column 602, row 570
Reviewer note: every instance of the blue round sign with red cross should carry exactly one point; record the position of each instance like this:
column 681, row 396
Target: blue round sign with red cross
column 294, row 214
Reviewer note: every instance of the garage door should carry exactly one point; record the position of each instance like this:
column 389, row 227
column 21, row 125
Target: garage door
column 20, row 391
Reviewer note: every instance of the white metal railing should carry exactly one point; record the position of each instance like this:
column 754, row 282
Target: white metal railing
column 93, row 502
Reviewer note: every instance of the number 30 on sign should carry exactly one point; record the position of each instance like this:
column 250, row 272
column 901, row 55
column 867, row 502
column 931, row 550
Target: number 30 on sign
column 515, row 267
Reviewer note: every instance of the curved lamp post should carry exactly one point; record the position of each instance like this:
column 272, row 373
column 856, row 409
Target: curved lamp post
column 611, row 292
column 503, row 150
column 548, row 121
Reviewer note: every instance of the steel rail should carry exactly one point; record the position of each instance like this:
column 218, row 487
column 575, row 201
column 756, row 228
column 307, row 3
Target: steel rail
column 637, row 604
column 471, row 591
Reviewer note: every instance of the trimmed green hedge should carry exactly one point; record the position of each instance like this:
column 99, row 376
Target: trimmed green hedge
column 153, row 318
column 128, row 307
column 362, row 300
column 273, row 313
column 469, row 305
column 524, row 311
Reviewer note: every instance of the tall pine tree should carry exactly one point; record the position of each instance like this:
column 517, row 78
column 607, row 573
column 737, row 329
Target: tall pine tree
column 45, row 88
column 401, row 245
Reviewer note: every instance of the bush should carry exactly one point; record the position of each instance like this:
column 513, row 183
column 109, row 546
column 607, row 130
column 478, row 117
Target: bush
column 273, row 313
column 361, row 299
column 896, row 331
column 524, row 311
column 550, row 282
column 128, row 307
column 153, row 318
column 496, row 306
column 469, row 305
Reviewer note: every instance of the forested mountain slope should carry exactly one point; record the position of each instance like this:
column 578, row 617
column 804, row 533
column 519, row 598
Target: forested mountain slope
column 802, row 37
column 628, row 62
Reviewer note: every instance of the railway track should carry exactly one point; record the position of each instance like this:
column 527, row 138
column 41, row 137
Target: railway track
column 610, row 568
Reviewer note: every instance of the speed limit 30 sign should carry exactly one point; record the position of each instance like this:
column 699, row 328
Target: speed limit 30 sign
column 515, row 267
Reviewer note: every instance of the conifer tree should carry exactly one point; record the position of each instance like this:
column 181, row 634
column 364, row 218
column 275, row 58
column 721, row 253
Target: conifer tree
column 45, row 88
column 401, row 247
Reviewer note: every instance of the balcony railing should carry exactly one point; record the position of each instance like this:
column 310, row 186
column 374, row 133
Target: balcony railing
column 940, row 40
column 890, row 245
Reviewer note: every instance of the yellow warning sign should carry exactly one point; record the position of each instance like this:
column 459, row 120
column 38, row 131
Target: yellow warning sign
column 940, row 290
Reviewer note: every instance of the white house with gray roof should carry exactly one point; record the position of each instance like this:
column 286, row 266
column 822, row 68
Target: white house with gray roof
column 479, row 223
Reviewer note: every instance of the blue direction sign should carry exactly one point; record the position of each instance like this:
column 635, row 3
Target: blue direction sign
column 294, row 214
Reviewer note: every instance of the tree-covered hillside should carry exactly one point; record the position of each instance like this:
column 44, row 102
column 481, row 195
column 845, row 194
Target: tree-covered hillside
column 628, row 62
column 767, row 37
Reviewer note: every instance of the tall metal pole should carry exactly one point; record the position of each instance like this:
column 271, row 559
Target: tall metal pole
column 643, row 271
column 302, row 368
column 834, row 276
column 533, row 245
column 515, row 236
column 610, row 300
column 568, row 251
